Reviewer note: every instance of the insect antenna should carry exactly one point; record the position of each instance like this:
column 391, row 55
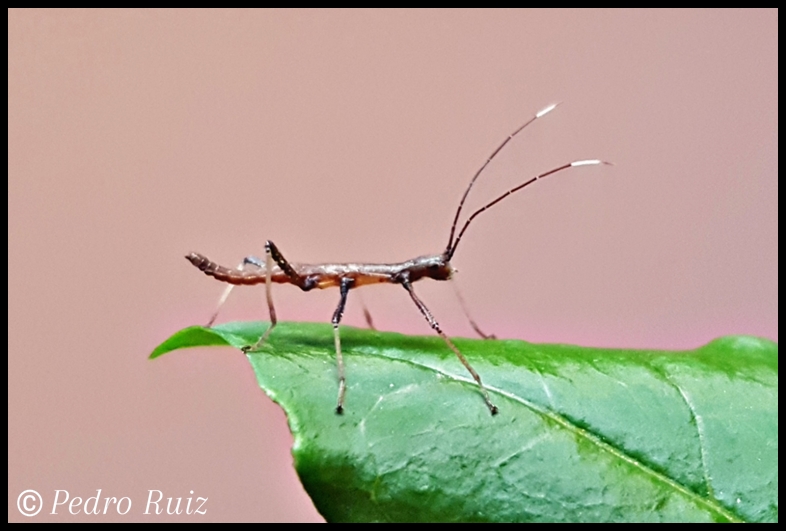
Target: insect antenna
column 539, row 114
column 452, row 249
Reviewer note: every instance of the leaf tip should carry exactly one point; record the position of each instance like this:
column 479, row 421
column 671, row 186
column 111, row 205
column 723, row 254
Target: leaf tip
column 193, row 336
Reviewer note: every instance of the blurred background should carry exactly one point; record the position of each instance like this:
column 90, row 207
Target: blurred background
column 135, row 137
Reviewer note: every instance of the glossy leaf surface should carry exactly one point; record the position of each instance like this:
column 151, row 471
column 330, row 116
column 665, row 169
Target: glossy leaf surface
column 582, row 434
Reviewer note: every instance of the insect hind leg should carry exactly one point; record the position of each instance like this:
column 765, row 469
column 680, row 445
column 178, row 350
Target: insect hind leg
column 248, row 260
column 268, row 295
column 272, row 254
column 305, row 283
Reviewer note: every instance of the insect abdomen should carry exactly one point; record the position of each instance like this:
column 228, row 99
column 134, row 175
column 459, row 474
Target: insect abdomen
column 224, row 274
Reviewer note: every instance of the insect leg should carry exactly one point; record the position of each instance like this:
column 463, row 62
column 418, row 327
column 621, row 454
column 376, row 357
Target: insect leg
column 366, row 313
column 472, row 322
column 269, row 296
column 346, row 284
column 303, row 282
column 435, row 325
column 248, row 260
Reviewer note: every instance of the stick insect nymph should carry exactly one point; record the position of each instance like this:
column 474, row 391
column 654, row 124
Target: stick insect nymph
column 276, row 268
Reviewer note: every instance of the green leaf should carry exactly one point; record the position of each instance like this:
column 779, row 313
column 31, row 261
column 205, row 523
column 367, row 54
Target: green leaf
column 582, row 434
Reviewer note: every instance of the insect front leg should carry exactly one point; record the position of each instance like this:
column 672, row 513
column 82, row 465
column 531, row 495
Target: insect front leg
column 248, row 260
column 404, row 280
column 472, row 322
column 346, row 284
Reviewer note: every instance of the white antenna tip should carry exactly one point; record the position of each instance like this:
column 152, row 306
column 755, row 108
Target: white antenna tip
column 546, row 110
column 587, row 162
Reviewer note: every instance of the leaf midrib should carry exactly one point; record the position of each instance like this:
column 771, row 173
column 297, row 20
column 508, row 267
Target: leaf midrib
column 619, row 453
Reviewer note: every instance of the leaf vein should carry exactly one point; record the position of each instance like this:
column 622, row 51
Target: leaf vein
column 699, row 422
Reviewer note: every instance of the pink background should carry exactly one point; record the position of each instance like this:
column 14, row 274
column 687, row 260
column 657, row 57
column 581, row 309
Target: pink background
column 138, row 136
